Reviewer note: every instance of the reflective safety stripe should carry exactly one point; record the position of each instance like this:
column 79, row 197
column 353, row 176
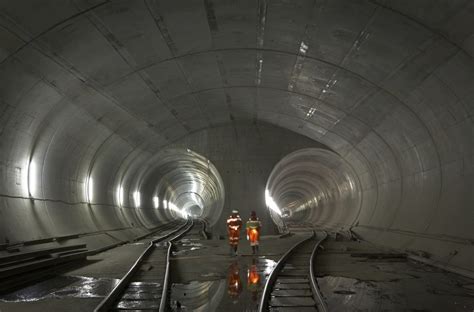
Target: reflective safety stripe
column 253, row 224
column 234, row 223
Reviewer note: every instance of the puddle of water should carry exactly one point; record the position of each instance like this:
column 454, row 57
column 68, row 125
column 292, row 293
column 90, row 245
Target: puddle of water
column 40, row 290
column 266, row 265
column 197, row 296
column 144, row 284
column 87, row 287
column 240, row 291
column 63, row 286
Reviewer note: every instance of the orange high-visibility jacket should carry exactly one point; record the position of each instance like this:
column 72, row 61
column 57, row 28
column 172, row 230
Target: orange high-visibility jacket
column 253, row 231
column 234, row 224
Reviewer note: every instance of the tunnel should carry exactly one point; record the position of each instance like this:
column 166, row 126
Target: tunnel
column 123, row 122
column 180, row 184
column 314, row 186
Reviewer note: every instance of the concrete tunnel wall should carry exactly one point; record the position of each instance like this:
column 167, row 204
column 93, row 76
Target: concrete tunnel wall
column 244, row 154
column 100, row 88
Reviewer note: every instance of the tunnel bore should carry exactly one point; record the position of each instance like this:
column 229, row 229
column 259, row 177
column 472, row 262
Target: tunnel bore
column 314, row 186
column 185, row 185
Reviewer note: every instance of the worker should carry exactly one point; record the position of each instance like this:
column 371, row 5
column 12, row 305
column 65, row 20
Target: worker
column 253, row 231
column 234, row 225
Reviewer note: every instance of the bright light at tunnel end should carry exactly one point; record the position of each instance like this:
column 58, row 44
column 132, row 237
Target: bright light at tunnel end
column 180, row 212
column 271, row 203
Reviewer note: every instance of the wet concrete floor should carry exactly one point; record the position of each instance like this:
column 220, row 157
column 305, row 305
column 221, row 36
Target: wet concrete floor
column 353, row 276
column 200, row 270
column 222, row 282
column 356, row 276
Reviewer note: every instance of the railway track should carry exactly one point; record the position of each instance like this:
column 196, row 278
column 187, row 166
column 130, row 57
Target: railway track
column 292, row 285
column 146, row 285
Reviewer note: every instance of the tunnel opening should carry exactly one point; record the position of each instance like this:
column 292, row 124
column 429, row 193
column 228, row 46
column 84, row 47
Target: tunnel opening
column 186, row 185
column 192, row 204
column 313, row 186
column 193, row 211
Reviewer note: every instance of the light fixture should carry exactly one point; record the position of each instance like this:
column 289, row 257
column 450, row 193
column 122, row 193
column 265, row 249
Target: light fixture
column 271, row 203
column 156, row 201
column 32, row 178
column 89, row 189
column 120, row 196
column 137, row 199
column 311, row 112
column 303, row 47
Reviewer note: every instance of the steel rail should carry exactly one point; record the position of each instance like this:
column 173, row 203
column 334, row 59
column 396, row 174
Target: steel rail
column 264, row 300
column 164, row 294
column 318, row 297
column 116, row 292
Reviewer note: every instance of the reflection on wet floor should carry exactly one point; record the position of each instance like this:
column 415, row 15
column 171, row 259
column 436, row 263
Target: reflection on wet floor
column 197, row 296
column 234, row 282
column 63, row 286
column 253, row 280
column 240, row 291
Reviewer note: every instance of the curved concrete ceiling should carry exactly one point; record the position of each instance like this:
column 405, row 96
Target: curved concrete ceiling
column 97, row 88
